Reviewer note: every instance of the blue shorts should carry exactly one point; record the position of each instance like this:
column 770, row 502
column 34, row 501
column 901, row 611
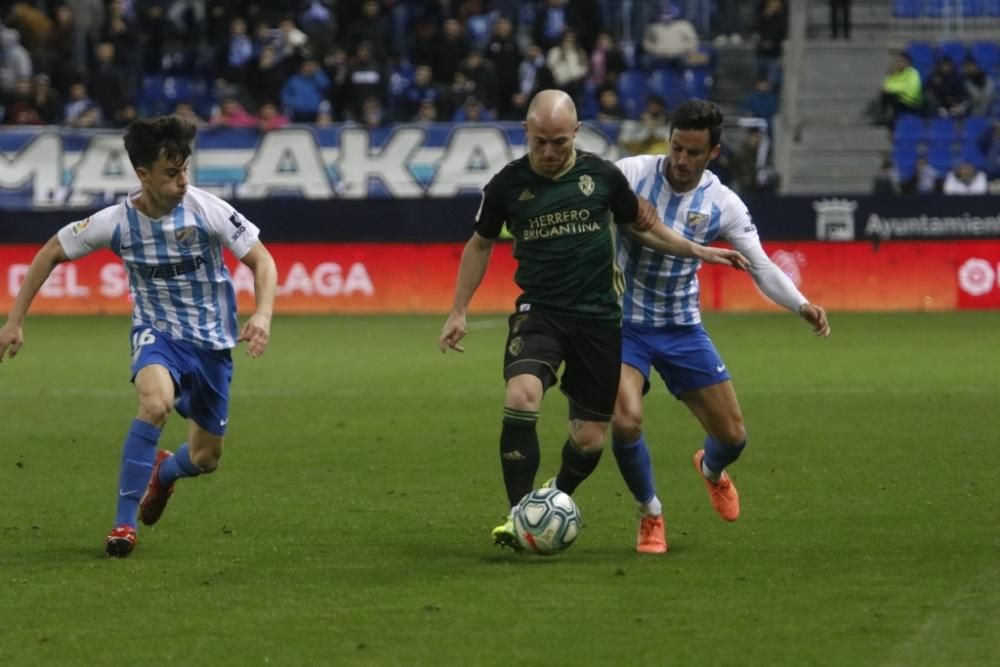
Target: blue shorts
column 682, row 354
column 201, row 377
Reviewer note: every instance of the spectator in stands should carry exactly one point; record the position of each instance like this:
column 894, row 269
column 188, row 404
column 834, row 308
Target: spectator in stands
column 727, row 25
column 965, row 179
column 59, row 58
column 270, row 118
column 15, row 61
column 266, row 77
column 338, row 69
column 980, row 90
column 19, row 109
column 235, row 55
column 320, row 27
column 290, row 42
column 945, row 90
column 533, row 75
column 448, row 53
column 886, row 181
column 902, row 91
column 185, row 111
column 989, row 144
column 761, row 102
column 106, row 83
column 122, row 30
column 609, row 109
column 427, row 112
column 153, row 23
column 772, row 29
column 304, row 92
column 670, row 41
column 423, row 90
column 551, row 21
column 367, row 79
column 230, row 113
column 607, row 62
column 751, row 172
column 372, row 113
column 88, row 18
column 473, row 111
column 504, row 53
column 840, row 18
column 80, row 111
column 373, row 28
column 34, row 26
column 481, row 72
column 568, row 63
column 926, row 180
column 650, row 135
column 46, row 100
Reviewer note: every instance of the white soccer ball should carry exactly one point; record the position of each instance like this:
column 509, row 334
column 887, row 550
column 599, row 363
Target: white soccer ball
column 546, row 521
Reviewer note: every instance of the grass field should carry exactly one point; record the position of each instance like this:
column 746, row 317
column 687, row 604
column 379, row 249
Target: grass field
column 349, row 523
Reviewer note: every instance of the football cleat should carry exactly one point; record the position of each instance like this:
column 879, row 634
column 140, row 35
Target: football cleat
column 154, row 500
column 725, row 499
column 504, row 535
column 652, row 538
column 120, row 541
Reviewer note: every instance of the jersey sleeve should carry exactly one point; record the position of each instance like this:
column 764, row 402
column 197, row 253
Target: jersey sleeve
column 623, row 202
column 740, row 231
column 492, row 213
column 231, row 228
column 92, row 233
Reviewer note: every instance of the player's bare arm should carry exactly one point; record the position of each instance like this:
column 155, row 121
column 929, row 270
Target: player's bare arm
column 816, row 317
column 647, row 216
column 663, row 239
column 471, row 269
column 257, row 330
column 11, row 334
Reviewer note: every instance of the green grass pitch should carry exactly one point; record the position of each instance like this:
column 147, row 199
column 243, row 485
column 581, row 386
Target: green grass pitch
column 349, row 523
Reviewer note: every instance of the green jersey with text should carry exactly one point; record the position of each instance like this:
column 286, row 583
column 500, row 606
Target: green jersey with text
column 563, row 240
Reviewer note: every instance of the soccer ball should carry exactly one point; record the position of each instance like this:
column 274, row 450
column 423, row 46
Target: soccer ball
column 546, row 521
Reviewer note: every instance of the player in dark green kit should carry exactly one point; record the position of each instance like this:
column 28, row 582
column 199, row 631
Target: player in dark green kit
column 559, row 204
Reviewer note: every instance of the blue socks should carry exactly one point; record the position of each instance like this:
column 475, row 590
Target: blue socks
column 718, row 456
column 177, row 466
column 636, row 467
column 138, row 455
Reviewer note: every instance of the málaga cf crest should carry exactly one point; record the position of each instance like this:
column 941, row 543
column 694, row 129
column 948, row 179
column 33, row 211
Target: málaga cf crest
column 586, row 185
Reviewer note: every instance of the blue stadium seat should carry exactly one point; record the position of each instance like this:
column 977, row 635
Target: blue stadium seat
column 905, row 159
column 974, row 127
column 632, row 92
column 936, row 8
column 954, row 50
column 993, row 7
column 986, row 53
column 922, row 55
column 909, row 129
column 588, row 101
column 942, row 130
column 940, row 157
column 906, row 9
column 973, row 155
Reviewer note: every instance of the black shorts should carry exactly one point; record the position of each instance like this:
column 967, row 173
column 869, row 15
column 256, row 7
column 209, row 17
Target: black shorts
column 538, row 343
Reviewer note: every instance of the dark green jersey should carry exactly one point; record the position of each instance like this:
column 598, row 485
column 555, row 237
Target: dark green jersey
column 563, row 240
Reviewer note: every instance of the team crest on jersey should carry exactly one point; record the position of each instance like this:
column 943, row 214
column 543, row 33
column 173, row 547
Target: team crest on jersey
column 695, row 218
column 516, row 345
column 586, row 185
column 185, row 237
column 78, row 227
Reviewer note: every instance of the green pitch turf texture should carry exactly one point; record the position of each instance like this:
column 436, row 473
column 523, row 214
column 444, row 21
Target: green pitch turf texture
column 349, row 523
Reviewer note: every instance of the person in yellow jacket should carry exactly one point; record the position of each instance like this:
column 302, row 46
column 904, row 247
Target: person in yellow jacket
column 902, row 89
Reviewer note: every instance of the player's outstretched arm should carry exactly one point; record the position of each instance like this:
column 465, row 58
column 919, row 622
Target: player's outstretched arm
column 257, row 330
column 816, row 317
column 11, row 334
column 663, row 239
column 472, row 268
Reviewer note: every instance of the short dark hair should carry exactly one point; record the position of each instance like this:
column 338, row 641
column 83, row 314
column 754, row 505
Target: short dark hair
column 699, row 115
column 146, row 138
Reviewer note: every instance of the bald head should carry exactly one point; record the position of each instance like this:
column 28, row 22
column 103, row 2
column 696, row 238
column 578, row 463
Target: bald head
column 550, row 127
column 552, row 107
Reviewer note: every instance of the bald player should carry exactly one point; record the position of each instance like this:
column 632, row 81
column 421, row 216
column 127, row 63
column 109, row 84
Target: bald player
column 559, row 204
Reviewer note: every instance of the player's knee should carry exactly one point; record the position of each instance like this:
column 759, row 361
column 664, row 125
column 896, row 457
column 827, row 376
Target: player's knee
column 206, row 460
column 734, row 433
column 626, row 426
column 523, row 398
column 589, row 439
column 155, row 409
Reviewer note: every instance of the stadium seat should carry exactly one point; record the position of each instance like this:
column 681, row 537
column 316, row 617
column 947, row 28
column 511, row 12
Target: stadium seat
column 973, row 155
column 942, row 130
column 936, row 8
column 985, row 53
column 909, row 129
column 974, row 127
column 954, row 50
column 632, row 92
column 940, row 157
column 922, row 55
column 906, row 9
column 973, row 8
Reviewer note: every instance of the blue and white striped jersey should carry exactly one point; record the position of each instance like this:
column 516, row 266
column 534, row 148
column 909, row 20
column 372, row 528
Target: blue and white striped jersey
column 177, row 280
column 662, row 289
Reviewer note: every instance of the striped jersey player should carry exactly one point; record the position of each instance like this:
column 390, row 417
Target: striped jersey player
column 662, row 319
column 170, row 236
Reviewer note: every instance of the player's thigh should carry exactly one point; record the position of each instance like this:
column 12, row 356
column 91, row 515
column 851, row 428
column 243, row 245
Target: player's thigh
column 534, row 347
column 154, row 384
column 593, row 369
column 718, row 410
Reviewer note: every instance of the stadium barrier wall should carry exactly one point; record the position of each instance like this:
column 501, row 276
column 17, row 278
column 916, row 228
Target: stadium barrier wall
column 419, row 278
